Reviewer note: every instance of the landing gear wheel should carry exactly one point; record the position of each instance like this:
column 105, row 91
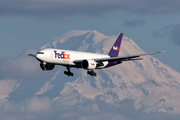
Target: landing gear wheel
column 92, row 73
column 68, row 73
column 72, row 74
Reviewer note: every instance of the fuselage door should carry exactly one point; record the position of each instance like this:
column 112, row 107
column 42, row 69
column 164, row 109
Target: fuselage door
column 51, row 54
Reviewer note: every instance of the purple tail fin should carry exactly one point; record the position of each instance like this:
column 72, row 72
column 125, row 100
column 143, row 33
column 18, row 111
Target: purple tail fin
column 116, row 47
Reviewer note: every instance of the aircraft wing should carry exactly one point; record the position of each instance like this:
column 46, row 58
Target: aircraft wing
column 116, row 59
column 32, row 55
column 126, row 58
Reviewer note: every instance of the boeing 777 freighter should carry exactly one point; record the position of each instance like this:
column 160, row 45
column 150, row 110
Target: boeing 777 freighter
column 89, row 61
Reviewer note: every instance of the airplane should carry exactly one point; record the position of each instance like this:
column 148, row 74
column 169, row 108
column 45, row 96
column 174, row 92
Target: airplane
column 50, row 57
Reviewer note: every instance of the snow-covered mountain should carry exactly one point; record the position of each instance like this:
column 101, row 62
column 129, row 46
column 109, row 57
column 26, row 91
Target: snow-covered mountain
column 135, row 90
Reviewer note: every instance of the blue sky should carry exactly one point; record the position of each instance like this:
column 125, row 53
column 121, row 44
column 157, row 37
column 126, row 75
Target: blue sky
column 153, row 24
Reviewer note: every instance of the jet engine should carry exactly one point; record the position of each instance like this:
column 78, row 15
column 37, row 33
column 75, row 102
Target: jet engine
column 47, row 66
column 88, row 64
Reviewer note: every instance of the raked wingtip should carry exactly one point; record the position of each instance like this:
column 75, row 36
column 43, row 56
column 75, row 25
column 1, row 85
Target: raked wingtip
column 161, row 51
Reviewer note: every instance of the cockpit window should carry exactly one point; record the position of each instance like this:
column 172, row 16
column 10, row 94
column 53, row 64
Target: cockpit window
column 40, row 53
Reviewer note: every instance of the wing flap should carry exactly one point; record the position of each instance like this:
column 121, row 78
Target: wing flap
column 117, row 59
column 126, row 58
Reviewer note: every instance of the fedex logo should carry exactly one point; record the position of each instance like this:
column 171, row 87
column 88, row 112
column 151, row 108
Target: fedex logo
column 93, row 64
column 62, row 55
column 115, row 48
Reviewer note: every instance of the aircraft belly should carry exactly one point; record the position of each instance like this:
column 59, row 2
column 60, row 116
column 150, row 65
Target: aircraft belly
column 62, row 62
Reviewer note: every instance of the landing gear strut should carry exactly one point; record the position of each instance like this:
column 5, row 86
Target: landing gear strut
column 92, row 73
column 43, row 65
column 69, row 73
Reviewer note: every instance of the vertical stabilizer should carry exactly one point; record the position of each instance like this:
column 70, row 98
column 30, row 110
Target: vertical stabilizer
column 116, row 47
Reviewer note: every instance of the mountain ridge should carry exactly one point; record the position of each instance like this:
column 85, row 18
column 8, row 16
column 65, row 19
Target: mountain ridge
column 133, row 90
column 139, row 66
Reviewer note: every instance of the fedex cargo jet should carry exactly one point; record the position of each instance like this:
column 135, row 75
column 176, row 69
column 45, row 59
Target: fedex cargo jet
column 50, row 57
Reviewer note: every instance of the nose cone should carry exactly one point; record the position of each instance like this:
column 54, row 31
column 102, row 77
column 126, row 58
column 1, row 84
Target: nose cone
column 39, row 56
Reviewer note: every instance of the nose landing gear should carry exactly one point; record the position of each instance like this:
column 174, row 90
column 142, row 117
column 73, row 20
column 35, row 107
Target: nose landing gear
column 43, row 65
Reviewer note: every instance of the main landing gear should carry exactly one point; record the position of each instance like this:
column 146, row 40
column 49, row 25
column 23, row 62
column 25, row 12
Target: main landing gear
column 92, row 73
column 69, row 73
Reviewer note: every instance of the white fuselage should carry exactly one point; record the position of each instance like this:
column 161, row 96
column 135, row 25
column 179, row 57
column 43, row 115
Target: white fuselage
column 67, row 57
column 89, row 61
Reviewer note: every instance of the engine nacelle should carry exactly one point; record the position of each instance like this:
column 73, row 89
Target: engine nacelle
column 88, row 64
column 47, row 66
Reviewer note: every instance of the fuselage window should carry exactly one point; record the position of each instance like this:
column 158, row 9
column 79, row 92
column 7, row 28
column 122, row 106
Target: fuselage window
column 40, row 53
